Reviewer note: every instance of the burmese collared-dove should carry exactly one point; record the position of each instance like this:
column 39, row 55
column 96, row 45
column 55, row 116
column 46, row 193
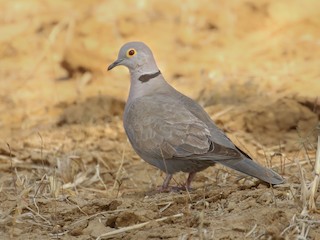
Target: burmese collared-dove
column 171, row 131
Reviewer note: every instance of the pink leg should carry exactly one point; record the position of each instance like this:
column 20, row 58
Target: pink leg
column 165, row 185
column 189, row 180
column 166, row 182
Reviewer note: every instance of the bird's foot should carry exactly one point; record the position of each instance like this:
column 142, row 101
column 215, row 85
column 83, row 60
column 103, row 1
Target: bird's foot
column 186, row 187
column 181, row 188
column 174, row 189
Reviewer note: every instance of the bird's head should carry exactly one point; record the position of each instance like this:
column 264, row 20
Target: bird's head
column 136, row 56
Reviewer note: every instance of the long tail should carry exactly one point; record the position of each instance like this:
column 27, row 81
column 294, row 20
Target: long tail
column 251, row 168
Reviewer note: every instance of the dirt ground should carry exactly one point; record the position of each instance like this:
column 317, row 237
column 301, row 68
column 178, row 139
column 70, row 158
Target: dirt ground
column 67, row 170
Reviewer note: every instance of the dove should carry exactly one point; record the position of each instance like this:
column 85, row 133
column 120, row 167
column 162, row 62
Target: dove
column 170, row 130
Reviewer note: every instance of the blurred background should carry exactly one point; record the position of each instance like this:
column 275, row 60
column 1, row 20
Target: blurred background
column 64, row 156
column 55, row 53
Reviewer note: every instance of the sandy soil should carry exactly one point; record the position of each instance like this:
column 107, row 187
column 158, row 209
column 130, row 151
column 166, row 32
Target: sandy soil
column 67, row 170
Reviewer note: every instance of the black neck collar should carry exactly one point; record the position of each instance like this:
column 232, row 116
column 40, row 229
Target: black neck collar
column 146, row 77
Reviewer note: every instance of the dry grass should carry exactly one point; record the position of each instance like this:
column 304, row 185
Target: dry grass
column 83, row 180
column 71, row 176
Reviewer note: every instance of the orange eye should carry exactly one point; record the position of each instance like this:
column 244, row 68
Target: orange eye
column 131, row 52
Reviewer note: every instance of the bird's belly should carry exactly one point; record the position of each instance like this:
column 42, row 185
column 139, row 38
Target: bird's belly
column 171, row 166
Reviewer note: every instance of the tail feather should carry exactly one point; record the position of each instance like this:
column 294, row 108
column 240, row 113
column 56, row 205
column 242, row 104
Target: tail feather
column 251, row 168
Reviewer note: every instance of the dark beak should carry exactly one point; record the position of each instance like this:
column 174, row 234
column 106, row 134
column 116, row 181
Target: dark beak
column 116, row 63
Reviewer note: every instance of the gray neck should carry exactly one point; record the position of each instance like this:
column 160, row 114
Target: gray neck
column 154, row 82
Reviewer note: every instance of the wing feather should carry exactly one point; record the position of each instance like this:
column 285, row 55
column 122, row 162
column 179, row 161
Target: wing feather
column 168, row 130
